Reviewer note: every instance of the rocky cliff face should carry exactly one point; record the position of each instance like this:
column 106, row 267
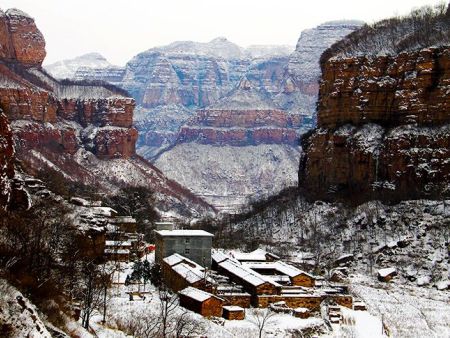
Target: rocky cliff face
column 216, row 94
column 82, row 130
column 299, row 86
column 20, row 39
column 243, row 118
column 235, row 149
column 383, row 128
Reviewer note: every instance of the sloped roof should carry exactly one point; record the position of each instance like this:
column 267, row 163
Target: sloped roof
column 190, row 274
column 187, row 233
column 219, row 256
column 256, row 255
column 196, row 294
column 245, row 273
column 175, row 259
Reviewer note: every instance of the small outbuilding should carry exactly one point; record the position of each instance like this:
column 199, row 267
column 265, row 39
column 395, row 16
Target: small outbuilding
column 385, row 275
column 201, row 302
column 233, row 313
column 302, row 312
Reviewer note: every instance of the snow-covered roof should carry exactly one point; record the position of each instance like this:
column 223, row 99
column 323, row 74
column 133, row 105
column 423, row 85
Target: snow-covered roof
column 386, row 272
column 196, row 294
column 104, row 211
column 187, row 233
column 117, row 251
column 80, row 201
column 278, row 278
column 257, row 255
column 233, row 308
column 175, row 259
column 190, row 274
column 123, row 219
column 163, row 223
column 219, row 256
column 117, row 243
column 284, row 268
column 245, row 273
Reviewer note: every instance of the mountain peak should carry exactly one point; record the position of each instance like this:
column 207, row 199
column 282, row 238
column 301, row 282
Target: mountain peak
column 220, row 39
column 91, row 56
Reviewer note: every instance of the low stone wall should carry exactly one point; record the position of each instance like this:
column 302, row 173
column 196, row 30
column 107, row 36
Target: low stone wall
column 311, row 302
column 242, row 300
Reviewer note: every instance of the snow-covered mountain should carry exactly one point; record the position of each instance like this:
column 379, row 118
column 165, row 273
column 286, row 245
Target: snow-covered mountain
column 67, row 69
column 177, row 85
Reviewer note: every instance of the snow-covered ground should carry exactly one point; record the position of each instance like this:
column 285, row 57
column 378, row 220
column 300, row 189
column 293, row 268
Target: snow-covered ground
column 237, row 173
column 407, row 311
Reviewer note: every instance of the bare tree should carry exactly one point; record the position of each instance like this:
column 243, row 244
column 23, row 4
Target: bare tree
column 168, row 306
column 261, row 318
column 90, row 291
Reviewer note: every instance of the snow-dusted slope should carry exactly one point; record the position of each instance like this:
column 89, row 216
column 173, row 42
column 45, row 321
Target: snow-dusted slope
column 303, row 63
column 228, row 176
column 264, row 51
column 18, row 316
column 66, row 69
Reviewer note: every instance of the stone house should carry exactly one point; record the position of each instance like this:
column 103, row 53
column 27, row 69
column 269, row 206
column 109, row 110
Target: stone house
column 231, row 312
column 201, row 302
column 251, row 281
column 180, row 272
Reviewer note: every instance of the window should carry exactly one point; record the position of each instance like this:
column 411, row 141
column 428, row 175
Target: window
column 187, row 251
column 187, row 240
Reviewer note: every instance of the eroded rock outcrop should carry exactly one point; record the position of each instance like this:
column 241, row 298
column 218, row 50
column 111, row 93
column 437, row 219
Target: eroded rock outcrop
column 82, row 130
column 408, row 88
column 20, row 39
column 384, row 128
column 235, row 149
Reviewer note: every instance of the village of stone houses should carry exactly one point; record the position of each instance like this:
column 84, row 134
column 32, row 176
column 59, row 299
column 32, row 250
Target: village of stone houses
column 198, row 290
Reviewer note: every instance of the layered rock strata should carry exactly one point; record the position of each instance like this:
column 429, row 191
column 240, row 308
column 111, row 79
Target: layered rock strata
column 384, row 128
column 235, row 149
column 81, row 130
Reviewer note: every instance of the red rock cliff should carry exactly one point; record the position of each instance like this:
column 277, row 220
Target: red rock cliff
column 384, row 128
column 27, row 93
column 241, row 127
column 20, row 39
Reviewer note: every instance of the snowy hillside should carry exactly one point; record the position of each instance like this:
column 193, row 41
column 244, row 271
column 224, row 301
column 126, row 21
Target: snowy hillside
column 304, row 61
column 237, row 173
column 66, row 69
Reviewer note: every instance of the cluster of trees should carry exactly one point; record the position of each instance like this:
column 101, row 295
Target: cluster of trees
column 163, row 316
column 96, row 83
column 423, row 27
column 40, row 253
column 139, row 203
column 52, row 261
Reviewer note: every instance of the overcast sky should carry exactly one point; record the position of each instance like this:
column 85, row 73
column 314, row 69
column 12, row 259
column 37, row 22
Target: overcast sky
column 119, row 29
